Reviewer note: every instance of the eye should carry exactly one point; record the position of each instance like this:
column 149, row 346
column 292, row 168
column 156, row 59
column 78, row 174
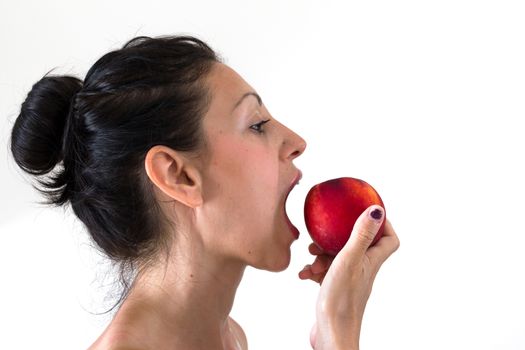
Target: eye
column 258, row 127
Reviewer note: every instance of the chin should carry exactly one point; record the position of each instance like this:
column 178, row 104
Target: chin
column 276, row 255
column 275, row 265
column 279, row 264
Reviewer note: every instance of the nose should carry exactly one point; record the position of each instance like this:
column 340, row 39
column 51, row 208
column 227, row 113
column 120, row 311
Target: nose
column 293, row 145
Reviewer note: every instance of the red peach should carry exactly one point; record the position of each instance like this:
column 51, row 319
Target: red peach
column 332, row 207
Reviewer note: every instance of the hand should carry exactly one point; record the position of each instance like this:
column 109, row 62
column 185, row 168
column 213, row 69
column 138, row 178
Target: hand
column 346, row 282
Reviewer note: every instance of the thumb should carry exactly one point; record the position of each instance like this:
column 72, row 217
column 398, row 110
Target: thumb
column 365, row 229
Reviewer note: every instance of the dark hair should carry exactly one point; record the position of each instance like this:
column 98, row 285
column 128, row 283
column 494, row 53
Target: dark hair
column 150, row 92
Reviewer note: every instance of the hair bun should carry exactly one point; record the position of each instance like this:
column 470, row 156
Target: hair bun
column 36, row 137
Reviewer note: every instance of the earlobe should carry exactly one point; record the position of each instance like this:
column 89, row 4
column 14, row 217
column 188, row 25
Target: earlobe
column 174, row 175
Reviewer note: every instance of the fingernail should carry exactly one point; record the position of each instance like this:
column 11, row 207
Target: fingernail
column 376, row 214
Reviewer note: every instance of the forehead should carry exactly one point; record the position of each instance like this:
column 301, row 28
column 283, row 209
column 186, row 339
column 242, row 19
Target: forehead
column 226, row 85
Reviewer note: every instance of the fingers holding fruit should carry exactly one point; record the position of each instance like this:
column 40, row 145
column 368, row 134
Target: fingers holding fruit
column 388, row 244
column 314, row 249
column 363, row 234
column 346, row 219
column 307, row 274
column 318, row 269
column 348, row 282
column 332, row 207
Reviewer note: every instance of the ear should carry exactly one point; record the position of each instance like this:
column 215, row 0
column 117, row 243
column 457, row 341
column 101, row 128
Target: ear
column 174, row 175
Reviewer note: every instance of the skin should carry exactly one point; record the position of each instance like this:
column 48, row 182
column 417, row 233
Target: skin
column 228, row 206
column 184, row 303
column 346, row 282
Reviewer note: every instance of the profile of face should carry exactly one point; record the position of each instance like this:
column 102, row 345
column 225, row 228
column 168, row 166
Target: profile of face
column 247, row 175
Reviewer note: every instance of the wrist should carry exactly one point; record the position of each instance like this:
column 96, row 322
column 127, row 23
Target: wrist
column 347, row 338
column 339, row 335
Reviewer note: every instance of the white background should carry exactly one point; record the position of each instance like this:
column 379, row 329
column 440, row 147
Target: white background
column 425, row 100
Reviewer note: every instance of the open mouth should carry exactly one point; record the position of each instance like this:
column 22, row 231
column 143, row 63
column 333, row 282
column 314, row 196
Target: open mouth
column 293, row 229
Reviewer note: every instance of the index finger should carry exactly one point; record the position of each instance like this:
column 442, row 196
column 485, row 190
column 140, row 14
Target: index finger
column 314, row 249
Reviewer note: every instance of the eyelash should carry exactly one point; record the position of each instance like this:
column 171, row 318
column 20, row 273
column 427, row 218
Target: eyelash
column 260, row 131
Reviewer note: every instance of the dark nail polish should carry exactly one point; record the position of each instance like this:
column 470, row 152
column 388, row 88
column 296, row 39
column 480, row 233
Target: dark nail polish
column 376, row 214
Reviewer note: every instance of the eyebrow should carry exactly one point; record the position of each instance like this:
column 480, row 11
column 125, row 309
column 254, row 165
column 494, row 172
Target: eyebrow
column 259, row 100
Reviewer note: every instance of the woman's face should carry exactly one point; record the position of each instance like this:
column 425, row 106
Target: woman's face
column 247, row 176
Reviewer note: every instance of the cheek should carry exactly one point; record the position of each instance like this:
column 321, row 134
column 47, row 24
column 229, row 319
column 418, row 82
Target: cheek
column 247, row 174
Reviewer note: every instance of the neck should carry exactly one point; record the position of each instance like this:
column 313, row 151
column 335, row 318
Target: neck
column 186, row 300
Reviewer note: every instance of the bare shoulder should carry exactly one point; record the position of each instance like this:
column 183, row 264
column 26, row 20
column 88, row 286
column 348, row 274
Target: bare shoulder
column 111, row 340
column 118, row 338
column 239, row 333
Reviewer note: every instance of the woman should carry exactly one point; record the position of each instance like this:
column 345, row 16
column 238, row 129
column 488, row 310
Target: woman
column 180, row 175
